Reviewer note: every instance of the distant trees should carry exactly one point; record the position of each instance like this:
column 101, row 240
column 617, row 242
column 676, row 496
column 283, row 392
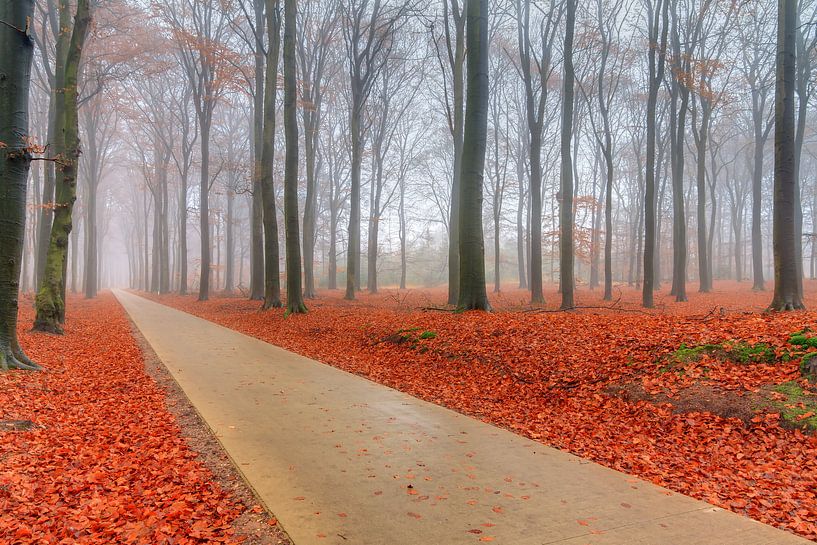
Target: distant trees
column 199, row 28
column 666, row 142
column 536, row 66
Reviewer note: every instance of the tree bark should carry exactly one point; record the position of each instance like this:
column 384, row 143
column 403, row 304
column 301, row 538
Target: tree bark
column 50, row 302
column 257, row 218
column 786, row 291
column 472, row 293
column 658, row 10
column 272, row 280
column 295, row 299
column 15, row 160
column 566, row 207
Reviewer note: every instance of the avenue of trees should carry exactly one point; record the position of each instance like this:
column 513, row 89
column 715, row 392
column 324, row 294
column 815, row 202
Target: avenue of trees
column 177, row 144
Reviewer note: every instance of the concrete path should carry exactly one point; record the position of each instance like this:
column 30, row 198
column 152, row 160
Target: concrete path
column 342, row 460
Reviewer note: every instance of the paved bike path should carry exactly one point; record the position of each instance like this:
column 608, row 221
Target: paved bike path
column 342, row 460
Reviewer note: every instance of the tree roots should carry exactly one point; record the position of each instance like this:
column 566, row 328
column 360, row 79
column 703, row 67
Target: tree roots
column 16, row 359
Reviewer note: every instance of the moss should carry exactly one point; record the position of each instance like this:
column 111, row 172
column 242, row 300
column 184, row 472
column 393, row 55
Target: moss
column 686, row 354
column 798, row 408
column 428, row 335
column 736, row 351
column 743, row 352
column 798, row 340
column 789, row 389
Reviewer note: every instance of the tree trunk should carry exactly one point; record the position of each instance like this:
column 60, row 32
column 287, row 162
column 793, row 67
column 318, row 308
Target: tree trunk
column 50, row 301
column 183, row 234
column 229, row 258
column 786, row 291
column 204, row 209
column 295, row 299
column 353, row 244
column 472, row 293
column 257, row 220
column 566, row 208
column 401, row 212
column 15, row 160
column 757, row 187
column 458, row 90
column 704, row 278
column 656, row 62
column 272, row 281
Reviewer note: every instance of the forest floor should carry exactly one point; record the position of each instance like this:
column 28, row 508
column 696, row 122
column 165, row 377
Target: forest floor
column 704, row 397
column 102, row 447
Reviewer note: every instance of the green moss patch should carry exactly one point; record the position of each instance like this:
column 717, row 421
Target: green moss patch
column 797, row 407
column 734, row 351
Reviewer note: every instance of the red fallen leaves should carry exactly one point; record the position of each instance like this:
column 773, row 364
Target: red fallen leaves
column 106, row 463
column 546, row 376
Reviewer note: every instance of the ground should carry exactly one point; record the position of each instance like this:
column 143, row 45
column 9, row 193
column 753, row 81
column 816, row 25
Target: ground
column 630, row 389
column 705, row 398
column 112, row 456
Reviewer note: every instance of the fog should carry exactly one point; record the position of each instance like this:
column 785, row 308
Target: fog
column 171, row 110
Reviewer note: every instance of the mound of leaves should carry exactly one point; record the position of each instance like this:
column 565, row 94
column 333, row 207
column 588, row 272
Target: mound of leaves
column 103, row 461
column 547, row 375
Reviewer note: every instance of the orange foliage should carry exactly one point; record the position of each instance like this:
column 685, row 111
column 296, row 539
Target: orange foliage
column 106, row 462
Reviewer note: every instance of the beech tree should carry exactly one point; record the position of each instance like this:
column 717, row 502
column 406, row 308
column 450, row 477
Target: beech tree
column 787, row 294
column 295, row 300
column 657, row 15
column 566, row 202
column 472, row 293
column 15, row 160
column 272, row 280
column 50, row 303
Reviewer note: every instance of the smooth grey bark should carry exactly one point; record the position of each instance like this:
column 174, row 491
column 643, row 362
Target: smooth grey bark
column 787, row 295
column 657, row 25
column 804, row 51
column 472, row 293
column 295, row 297
column 257, row 209
column 15, row 160
column 566, row 204
column 229, row 245
column 272, row 280
column 454, row 27
column 50, row 23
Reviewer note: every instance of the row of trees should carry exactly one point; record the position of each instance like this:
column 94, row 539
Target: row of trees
column 587, row 125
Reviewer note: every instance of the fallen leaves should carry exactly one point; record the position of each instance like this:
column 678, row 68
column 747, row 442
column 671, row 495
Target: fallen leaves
column 548, row 376
column 106, row 462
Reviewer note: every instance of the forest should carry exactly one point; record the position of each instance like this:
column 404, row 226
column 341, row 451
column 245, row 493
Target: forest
column 592, row 223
